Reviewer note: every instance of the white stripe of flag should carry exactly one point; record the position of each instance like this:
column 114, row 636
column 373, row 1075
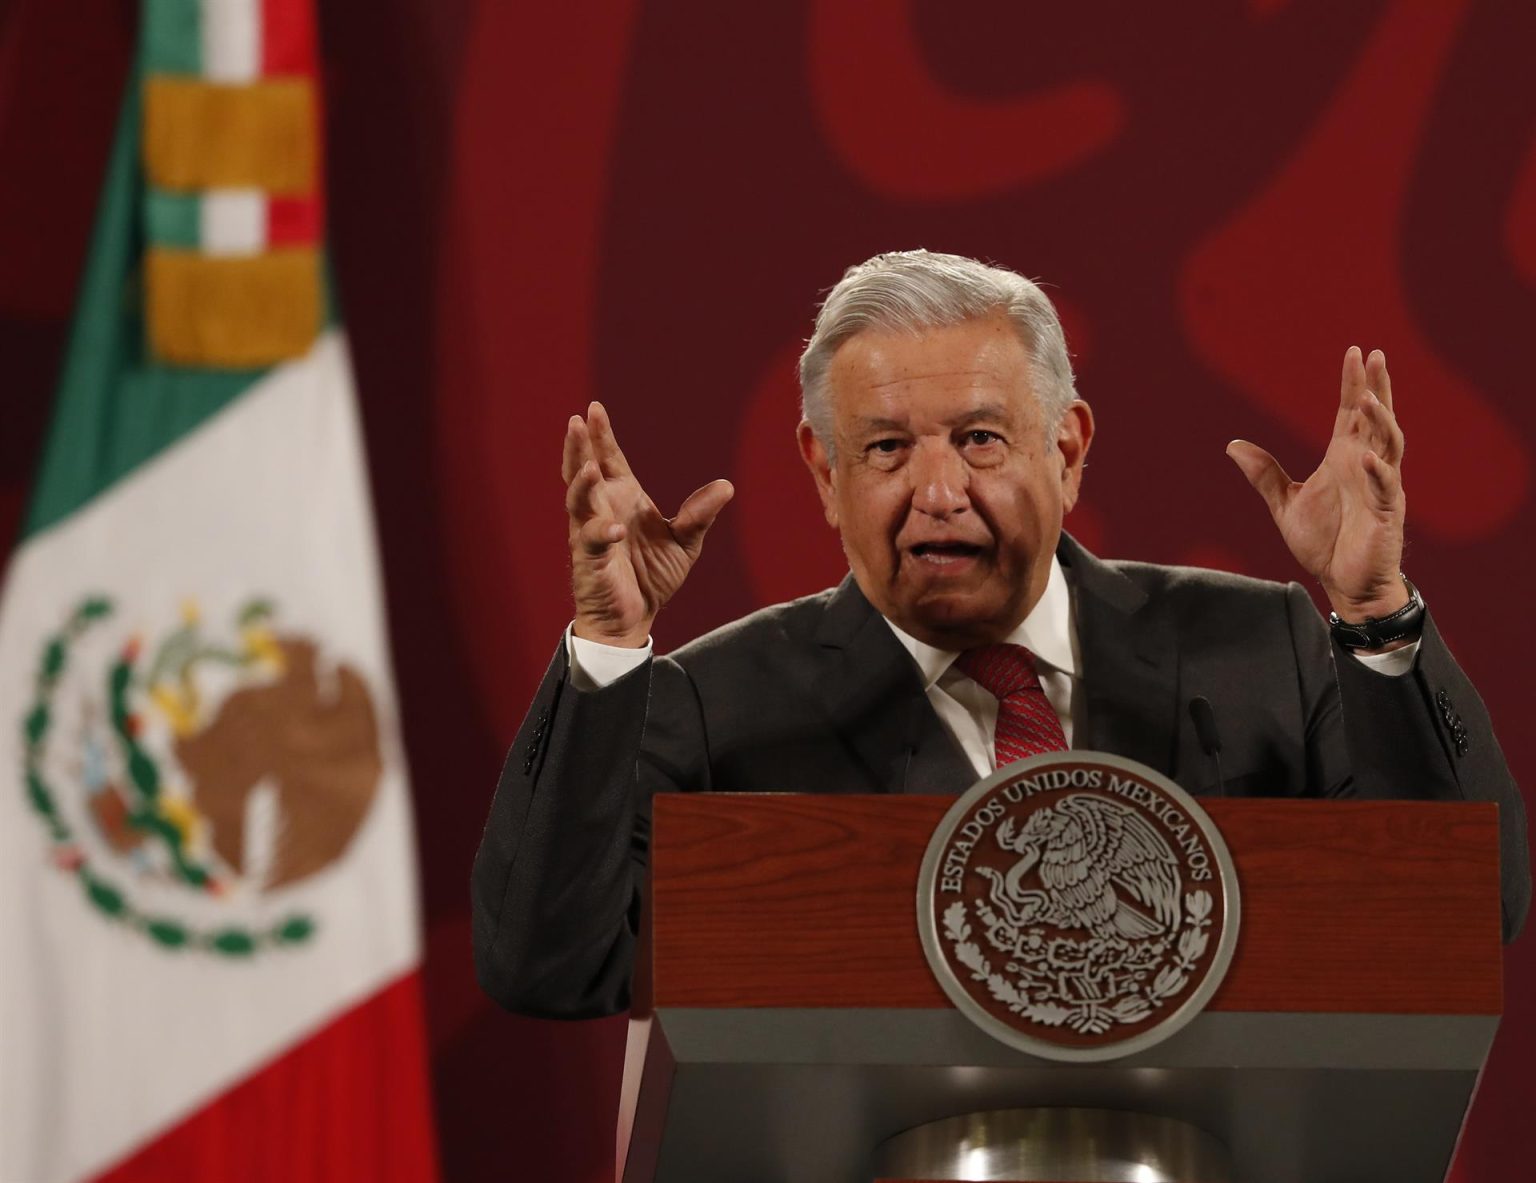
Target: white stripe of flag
column 231, row 40
column 233, row 222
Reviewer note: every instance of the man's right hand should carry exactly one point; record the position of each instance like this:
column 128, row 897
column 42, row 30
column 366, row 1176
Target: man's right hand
column 627, row 560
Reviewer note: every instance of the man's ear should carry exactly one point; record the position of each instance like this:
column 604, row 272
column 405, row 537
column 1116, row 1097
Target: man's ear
column 1072, row 440
column 816, row 459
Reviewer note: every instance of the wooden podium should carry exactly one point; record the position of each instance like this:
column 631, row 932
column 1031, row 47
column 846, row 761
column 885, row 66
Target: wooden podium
column 793, row 1024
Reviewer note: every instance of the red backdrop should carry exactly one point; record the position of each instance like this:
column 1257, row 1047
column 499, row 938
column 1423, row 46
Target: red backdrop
column 535, row 205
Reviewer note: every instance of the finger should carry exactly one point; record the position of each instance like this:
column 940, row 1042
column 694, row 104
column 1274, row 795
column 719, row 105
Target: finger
column 582, row 496
column 1352, row 381
column 1377, row 378
column 699, row 512
column 598, row 535
column 605, row 445
column 1383, row 481
column 1380, row 429
column 1264, row 474
column 577, row 450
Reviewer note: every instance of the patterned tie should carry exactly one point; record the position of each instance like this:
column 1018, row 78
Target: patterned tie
column 1027, row 724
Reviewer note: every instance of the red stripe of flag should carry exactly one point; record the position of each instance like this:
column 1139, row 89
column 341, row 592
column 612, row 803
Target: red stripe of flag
column 293, row 221
column 288, row 37
column 288, row 47
column 350, row 1103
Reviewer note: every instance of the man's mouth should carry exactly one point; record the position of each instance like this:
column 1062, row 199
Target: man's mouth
column 945, row 553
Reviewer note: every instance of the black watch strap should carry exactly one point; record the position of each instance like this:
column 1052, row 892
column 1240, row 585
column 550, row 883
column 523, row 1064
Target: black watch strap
column 1407, row 621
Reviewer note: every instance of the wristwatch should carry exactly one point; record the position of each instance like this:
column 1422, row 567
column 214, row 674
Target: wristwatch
column 1407, row 621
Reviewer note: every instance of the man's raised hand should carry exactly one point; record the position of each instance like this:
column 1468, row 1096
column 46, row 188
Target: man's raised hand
column 627, row 560
column 1344, row 524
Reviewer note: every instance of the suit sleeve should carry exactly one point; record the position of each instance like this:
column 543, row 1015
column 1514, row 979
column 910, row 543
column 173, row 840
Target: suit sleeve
column 1424, row 735
column 556, row 885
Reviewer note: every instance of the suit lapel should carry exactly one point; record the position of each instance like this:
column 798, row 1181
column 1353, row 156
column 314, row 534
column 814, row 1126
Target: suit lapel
column 1130, row 663
column 874, row 698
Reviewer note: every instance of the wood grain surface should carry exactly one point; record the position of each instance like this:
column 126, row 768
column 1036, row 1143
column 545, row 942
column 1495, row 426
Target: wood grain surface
column 803, row 900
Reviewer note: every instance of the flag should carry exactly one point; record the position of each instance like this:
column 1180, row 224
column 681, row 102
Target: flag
column 209, row 938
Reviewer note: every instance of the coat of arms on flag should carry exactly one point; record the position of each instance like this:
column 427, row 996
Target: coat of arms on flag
column 181, row 779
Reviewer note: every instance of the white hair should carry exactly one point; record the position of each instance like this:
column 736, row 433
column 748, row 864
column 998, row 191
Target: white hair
column 913, row 291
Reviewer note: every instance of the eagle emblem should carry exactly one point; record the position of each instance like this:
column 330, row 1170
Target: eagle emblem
column 1078, row 905
column 1100, row 868
column 189, row 780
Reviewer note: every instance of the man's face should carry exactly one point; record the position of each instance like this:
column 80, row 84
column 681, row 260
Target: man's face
column 946, row 491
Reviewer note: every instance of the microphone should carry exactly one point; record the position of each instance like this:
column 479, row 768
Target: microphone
column 1204, row 719
column 913, row 731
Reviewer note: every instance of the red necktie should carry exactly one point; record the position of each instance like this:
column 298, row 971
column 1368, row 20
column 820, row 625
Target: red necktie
column 1027, row 723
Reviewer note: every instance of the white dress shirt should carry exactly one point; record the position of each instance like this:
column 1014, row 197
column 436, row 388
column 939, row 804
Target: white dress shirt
column 967, row 710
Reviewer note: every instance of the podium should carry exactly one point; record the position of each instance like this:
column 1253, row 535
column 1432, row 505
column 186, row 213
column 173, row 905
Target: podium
column 792, row 1027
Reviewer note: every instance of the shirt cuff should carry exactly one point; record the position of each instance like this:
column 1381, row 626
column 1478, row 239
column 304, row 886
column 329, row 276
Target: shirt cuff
column 1393, row 664
column 595, row 665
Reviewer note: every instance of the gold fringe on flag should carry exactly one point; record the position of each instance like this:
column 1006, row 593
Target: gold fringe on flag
column 201, row 135
column 234, row 312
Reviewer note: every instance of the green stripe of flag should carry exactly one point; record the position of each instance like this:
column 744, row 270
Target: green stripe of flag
column 173, row 219
column 116, row 408
column 172, row 36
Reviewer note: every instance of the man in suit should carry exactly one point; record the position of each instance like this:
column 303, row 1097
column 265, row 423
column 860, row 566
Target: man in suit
column 943, row 432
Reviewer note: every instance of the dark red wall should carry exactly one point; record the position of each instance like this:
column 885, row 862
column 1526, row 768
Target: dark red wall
column 536, row 205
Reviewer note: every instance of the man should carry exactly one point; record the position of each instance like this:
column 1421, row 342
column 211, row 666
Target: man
column 946, row 440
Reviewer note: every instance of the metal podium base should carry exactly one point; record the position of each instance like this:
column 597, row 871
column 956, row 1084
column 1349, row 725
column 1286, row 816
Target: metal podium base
column 1053, row 1146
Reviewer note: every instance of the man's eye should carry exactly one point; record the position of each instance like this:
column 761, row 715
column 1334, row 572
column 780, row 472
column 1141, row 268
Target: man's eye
column 886, row 446
column 980, row 436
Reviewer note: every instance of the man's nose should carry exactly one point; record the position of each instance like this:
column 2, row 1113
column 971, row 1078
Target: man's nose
column 940, row 481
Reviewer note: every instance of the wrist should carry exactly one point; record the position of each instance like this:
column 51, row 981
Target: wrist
column 635, row 638
column 1379, row 625
column 1381, row 603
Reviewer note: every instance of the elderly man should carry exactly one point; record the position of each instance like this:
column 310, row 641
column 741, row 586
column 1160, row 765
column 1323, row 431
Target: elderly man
column 946, row 440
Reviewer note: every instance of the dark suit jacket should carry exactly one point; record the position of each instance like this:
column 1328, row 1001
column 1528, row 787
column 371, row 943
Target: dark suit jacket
column 817, row 695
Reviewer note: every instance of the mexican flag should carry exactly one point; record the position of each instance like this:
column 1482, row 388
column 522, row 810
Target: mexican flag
column 209, row 946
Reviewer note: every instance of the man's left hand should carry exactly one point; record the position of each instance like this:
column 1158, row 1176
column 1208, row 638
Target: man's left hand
column 1344, row 523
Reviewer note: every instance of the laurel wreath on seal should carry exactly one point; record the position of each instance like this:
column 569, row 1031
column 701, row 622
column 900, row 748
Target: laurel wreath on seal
column 106, row 896
column 1022, row 989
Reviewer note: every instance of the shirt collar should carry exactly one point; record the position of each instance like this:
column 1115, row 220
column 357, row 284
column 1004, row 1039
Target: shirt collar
column 1046, row 632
